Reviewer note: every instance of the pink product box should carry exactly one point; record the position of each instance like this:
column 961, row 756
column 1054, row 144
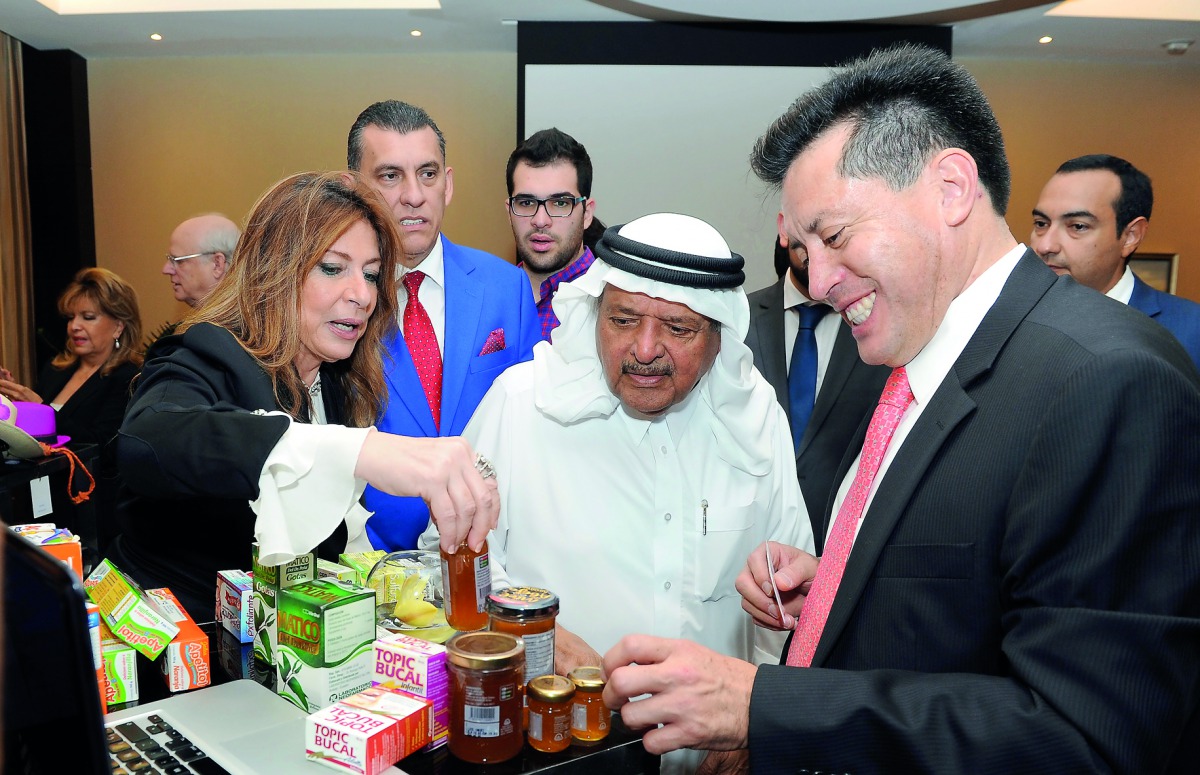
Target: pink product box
column 233, row 603
column 417, row 667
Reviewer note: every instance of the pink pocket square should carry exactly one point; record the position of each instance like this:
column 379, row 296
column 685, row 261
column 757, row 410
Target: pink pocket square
column 494, row 343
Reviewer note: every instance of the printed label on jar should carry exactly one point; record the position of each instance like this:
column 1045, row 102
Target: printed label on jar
column 535, row 726
column 483, row 582
column 539, row 654
column 579, row 717
column 481, row 721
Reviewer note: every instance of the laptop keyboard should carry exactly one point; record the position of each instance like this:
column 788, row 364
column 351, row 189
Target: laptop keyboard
column 152, row 745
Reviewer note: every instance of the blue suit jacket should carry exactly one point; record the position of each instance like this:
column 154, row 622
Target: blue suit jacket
column 483, row 293
column 1179, row 316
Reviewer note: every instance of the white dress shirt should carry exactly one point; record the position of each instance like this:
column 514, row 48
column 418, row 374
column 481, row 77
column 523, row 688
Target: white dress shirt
column 432, row 292
column 1123, row 290
column 825, row 332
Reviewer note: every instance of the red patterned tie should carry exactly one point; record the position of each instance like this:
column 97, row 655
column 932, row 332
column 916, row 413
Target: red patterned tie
column 423, row 346
column 895, row 399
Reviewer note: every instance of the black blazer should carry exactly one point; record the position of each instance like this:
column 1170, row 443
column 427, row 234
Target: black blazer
column 1024, row 592
column 191, row 451
column 93, row 413
column 849, row 392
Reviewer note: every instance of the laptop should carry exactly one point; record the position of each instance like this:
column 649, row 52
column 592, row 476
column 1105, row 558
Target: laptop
column 53, row 722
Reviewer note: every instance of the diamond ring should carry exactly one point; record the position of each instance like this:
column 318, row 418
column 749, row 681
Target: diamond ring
column 484, row 467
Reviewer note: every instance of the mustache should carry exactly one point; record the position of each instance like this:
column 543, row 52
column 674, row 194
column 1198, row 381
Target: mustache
column 647, row 370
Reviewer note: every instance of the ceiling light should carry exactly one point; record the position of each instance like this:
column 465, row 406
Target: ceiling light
column 415, row 33
column 1178, row 47
column 1045, row 39
column 155, row 36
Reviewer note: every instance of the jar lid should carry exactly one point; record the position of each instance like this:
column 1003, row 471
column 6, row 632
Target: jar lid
column 552, row 688
column 523, row 602
column 588, row 679
column 485, row 650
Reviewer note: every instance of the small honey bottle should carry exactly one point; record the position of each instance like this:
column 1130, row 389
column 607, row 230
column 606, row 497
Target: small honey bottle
column 590, row 717
column 467, row 577
column 550, row 712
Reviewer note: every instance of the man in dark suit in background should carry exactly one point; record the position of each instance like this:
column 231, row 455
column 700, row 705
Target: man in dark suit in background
column 1012, row 581
column 812, row 356
column 469, row 316
column 1089, row 220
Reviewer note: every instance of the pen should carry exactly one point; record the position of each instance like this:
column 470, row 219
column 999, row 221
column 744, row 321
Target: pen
column 704, row 517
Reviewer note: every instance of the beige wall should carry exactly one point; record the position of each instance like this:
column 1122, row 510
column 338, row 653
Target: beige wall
column 1148, row 114
column 173, row 138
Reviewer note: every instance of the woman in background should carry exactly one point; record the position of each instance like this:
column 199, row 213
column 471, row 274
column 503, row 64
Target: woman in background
column 88, row 382
column 253, row 421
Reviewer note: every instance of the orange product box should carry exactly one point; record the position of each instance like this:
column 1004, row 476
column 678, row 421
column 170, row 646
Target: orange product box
column 57, row 541
column 368, row 732
column 185, row 663
column 69, row 552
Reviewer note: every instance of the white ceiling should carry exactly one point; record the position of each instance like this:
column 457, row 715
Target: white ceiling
column 982, row 29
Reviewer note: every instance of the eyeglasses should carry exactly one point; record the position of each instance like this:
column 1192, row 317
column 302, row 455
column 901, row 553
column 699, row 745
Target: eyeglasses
column 556, row 206
column 177, row 259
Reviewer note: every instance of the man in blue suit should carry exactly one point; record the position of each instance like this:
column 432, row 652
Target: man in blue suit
column 1090, row 218
column 468, row 316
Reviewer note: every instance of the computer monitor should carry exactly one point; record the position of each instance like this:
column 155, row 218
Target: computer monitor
column 53, row 717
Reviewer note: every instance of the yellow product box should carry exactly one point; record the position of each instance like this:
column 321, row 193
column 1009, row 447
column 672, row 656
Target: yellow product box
column 131, row 614
column 120, row 668
column 367, row 732
column 416, row 667
column 331, row 570
column 326, row 635
column 267, row 581
column 362, row 562
column 234, row 590
column 185, row 664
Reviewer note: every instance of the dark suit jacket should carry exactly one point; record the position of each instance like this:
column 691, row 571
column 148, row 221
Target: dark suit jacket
column 848, row 393
column 191, row 451
column 1179, row 316
column 1024, row 592
column 93, row 414
column 483, row 293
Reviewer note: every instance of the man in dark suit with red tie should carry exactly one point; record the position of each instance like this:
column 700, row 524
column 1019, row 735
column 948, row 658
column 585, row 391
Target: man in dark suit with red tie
column 1011, row 579
column 808, row 355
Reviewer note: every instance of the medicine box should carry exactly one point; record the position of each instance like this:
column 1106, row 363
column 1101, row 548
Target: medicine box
column 185, row 664
column 367, row 732
column 234, row 589
column 131, row 614
column 326, row 638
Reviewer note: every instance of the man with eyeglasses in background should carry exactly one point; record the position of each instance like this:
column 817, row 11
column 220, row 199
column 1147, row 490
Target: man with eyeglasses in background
column 465, row 315
column 199, row 254
column 550, row 207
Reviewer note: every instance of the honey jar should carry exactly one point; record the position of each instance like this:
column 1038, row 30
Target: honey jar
column 590, row 717
column 485, row 696
column 549, row 699
column 467, row 578
column 529, row 613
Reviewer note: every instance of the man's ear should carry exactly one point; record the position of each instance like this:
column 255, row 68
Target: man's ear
column 220, row 265
column 1133, row 234
column 589, row 212
column 957, row 178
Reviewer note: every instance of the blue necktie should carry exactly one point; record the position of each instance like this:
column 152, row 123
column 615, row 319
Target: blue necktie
column 802, row 376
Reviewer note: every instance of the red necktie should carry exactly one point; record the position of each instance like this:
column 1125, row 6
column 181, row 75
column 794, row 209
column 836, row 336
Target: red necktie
column 423, row 346
column 895, row 399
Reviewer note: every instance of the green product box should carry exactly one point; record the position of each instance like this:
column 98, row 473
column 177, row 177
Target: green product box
column 268, row 581
column 131, row 614
column 120, row 668
column 362, row 562
column 331, row 570
column 326, row 646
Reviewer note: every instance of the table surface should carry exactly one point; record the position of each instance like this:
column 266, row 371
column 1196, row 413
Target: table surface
column 620, row 752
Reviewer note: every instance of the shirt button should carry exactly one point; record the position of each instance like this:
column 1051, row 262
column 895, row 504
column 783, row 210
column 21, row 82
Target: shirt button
column 667, row 585
column 667, row 516
column 663, row 449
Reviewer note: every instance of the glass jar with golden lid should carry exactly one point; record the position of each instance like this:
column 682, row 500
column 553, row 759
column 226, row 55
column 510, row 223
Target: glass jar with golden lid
column 528, row 612
column 485, row 696
column 549, row 699
column 590, row 717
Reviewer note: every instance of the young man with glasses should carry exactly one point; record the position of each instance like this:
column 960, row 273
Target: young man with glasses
column 550, row 206
column 198, row 256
